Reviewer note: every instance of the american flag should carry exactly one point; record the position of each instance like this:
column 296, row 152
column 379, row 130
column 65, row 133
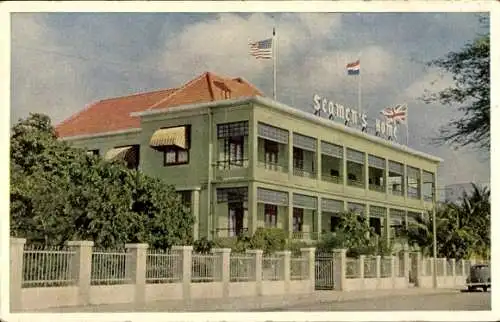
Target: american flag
column 262, row 49
column 399, row 113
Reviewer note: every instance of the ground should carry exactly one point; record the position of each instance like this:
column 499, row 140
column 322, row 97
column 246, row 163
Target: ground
column 380, row 300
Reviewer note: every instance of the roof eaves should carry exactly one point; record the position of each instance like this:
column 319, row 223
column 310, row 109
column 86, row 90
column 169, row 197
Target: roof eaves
column 101, row 134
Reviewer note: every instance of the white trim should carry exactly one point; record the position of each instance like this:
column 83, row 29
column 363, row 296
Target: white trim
column 189, row 188
column 102, row 134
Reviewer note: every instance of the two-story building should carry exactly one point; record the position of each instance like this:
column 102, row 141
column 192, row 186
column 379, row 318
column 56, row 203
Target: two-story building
column 243, row 161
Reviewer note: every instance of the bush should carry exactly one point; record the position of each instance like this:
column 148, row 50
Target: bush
column 270, row 240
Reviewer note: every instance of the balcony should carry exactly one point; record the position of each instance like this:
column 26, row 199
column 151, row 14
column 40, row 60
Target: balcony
column 272, row 166
column 299, row 172
column 303, row 235
column 330, row 178
column 230, row 232
column 376, row 187
column 356, row 183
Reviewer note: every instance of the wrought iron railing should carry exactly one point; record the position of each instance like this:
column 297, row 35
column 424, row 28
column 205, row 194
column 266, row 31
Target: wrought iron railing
column 232, row 164
column 230, row 232
column 279, row 167
column 329, row 178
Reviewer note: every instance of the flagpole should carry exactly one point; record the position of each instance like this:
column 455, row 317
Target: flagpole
column 359, row 84
column 407, row 124
column 274, row 63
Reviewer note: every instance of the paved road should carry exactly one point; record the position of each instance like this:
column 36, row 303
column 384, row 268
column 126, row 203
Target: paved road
column 459, row 300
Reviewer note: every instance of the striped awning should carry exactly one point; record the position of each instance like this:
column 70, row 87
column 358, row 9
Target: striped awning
column 174, row 136
column 117, row 153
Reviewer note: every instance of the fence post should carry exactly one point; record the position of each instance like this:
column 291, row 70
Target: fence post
column 16, row 272
column 136, row 269
column 257, row 253
column 445, row 268
column 224, row 255
column 419, row 269
column 82, row 268
column 464, row 273
column 406, row 263
column 393, row 271
column 310, row 255
column 340, row 261
column 286, row 254
column 377, row 270
column 186, row 253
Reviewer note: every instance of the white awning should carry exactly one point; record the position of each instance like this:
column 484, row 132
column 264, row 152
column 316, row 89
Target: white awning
column 117, row 153
column 174, row 136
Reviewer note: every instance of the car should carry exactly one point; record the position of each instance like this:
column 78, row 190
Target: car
column 479, row 277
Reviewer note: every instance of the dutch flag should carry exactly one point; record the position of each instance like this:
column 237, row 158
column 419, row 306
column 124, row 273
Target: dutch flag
column 353, row 68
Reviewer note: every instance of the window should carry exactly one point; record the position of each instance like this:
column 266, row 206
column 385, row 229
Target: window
column 271, row 152
column 298, row 218
column 355, row 168
column 270, row 215
column 232, row 141
column 175, row 156
column 93, row 152
column 334, row 223
column 185, row 198
column 376, row 225
column 298, row 158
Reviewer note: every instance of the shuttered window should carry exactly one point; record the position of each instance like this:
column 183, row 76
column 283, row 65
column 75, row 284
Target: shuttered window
column 272, row 133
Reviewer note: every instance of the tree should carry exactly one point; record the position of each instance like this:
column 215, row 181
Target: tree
column 59, row 193
column 355, row 235
column 470, row 68
column 462, row 229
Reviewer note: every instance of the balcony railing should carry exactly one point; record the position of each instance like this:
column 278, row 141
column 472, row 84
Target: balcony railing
column 377, row 187
column 303, row 235
column 232, row 164
column 273, row 166
column 230, row 232
column 355, row 183
column 427, row 198
column 329, row 178
column 304, row 173
column 396, row 192
column 413, row 193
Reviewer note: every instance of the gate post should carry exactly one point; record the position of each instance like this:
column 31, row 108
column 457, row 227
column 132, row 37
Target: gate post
column 339, row 282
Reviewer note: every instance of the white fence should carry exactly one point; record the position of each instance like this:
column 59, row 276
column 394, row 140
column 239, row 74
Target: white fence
column 376, row 272
column 81, row 275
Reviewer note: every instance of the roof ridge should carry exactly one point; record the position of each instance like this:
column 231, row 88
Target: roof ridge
column 179, row 89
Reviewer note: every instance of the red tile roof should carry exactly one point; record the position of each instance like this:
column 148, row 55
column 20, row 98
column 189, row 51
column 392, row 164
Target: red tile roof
column 113, row 114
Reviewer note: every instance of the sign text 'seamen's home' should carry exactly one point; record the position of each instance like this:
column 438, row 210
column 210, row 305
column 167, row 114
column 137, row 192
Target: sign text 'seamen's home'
column 352, row 117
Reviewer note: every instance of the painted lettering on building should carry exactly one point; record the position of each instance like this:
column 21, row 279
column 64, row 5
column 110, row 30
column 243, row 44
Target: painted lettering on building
column 354, row 118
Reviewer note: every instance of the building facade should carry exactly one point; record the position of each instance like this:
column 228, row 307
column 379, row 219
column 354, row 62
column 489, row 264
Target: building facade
column 245, row 161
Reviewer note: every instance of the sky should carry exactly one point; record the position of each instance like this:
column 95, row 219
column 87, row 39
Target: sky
column 62, row 62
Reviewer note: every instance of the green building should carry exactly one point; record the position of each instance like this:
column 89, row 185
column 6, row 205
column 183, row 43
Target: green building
column 243, row 161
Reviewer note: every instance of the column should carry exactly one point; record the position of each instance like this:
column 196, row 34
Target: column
column 405, row 182
column 377, row 268
column 195, row 210
column 388, row 224
column 339, row 280
column 386, row 176
column 318, row 219
column 82, row 268
column 421, row 185
column 16, row 273
column 318, row 159
column 186, row 253
column 290, row 215
column 136, row 269
column 366, row 172
column 286, row 255
column 445, row 273
column 290, row 155
column 310, row 254
column 252, row 207
column 453, row 271
column 344, row 166
column 257, row 253
column 253, row 143
column 224, row 255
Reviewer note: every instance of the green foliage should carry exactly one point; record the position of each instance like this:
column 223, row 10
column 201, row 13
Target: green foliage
column 60, row 193
column 270, row 240
column 462, row 230
column 295, row 245
column 355, row 235
column 470, row 91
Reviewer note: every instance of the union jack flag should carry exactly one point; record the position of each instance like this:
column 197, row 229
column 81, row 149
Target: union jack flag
column 398, row 114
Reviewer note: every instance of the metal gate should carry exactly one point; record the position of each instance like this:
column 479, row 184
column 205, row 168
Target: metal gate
column 324, row 271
